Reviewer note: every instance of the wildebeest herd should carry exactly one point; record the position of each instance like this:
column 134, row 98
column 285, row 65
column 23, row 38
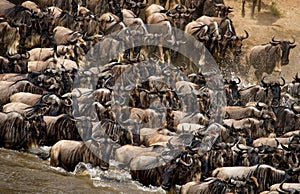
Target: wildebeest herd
column 161, row 127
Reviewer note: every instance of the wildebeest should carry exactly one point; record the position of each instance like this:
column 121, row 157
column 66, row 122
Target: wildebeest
column 10, row 38
column 112, row 128
column 9, row 88
column 68, row 153
column 266, row 175
column 166, row 169
column 61, row 127
column 209, row 186
column 14, row 63
column 269, row 57
column 21, row 132
column 126, row 153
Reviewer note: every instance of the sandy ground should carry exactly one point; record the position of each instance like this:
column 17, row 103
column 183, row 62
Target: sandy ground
column 265, row 24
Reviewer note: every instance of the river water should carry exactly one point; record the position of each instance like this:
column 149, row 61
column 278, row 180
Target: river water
column 26, row 173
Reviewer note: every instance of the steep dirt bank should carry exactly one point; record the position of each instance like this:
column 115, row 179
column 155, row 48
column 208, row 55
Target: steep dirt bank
column 265, row 24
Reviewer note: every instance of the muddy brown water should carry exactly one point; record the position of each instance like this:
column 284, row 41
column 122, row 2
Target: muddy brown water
column 26, row 173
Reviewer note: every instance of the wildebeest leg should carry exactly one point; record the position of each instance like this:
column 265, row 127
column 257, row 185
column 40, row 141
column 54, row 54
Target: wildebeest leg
column 243, row 8
column 168, row 54
column 161, row 54
column 253, row 7
column 259, row 5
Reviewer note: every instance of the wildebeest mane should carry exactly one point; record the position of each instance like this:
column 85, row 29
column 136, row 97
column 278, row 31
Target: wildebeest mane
column 63, row 128
column 19, row 15
column 16, row 132
column 66, row 17
column 112, row 128
column 91, row 153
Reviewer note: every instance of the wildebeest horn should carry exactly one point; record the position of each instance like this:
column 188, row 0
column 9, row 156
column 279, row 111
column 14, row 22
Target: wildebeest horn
column 69, row 39
column 132, row 3
column 281, row 189
column 239, row 81
column 186, row 164
column 293, row 108
column 26, row 55
column 283, row 82
column 258, row 105
column 70, row 103
column 293, row 40
column 245, row 37
column 264, row 83
column 296, row 78
column 116, row 138
column 16, row 56
column 227, row 115
column 43, row 97
column 111, row 19
column 170, row 145
column 238, row 146
column 275, row 41
column 277, row 142
column 219, row 5
column 284, row 147
column 93, row 137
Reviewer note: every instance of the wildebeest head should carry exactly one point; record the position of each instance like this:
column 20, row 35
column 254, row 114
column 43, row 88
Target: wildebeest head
column 18, row 63
column 180, row 169
column 37, row 125
column 232, row 92
column 275, row 88
column 285, row 48
column 10, row 37
column 109, row 23
column 112, row 128
column 134, row 6
column 237, row 43
column 101, row 148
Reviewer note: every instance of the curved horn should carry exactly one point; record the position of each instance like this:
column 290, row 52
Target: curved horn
column 284, row 147
column 26, row 56
column 133, row 4
column 170, row 145
column 293, row 108
column 70, row 102
column 275, row 41
column 69, row 39
column 277, row 142
column 283, row 82
column 263, row 82
column 116, row 137
column 93, row 138
column 227, row 115
column 245, row 37
column 296, row 78
column 258, row 105
column 43, row 98
column 282, row 189
column 293, row 40
column 241, row 148
column 187, row 164
column 16, row 56
column 239, row 80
